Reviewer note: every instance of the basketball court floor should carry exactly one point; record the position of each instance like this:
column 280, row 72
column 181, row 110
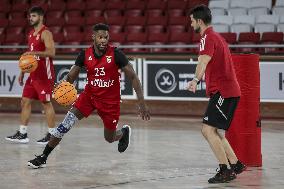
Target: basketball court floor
column 165, row 153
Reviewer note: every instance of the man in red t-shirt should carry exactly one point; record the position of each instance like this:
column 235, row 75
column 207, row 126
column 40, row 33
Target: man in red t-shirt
column 102, row 93
column 40, row 82
column 222, row 87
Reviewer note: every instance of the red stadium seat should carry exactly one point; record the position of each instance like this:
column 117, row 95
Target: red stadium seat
column 60, row 6
column 174, row 4
column 55, row 22
column 3, row 15
column 95, row 5
column 136, row 4
column 194, row 3
column 3, row 22
column 94, row 20
column 136, row 39
column 13, row 50
column 55, row 29
column 272, row 38
column 161, row 20
column 72, row 13
column 118, row 20
column 71, row 29
column 133, row 13
column 37, row 2
column 54, row 14
column 179, row 20
column 140, row 20
column 249, row 38
column 14, row 30
column 230, row 38
column 12, row 38
column 74, row 37
column 75, row 21
column 20, row 7
column 175, row 12
column 117, row 38
column 93, row 13
column 155, row 29
column 157, row 39
column 70, row 50
column 113, row 13
column 115, row 5
column 115, row 28
column 179, row 39
column 154, row 13
column 58, row 38
column 75, row 5
column 176, row 28
column 134, row 29
column 156, row 4
column 5, row 7
column 19, row 22
column 16, row 15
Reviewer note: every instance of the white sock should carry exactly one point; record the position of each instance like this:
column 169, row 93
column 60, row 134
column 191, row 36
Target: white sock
column 23, row 129
column 50, row 130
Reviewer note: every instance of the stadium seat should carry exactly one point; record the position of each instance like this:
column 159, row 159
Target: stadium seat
column 16, row 15
column 219, row 4
column 59, row 6
column 19, row 22
column 72, row 13
column 240, row 4
column 115, row 28
column 237, row 11
column 161, row 20
column 280, row 27
column 176, row 28
column 93, row 13
column 155, row 29
column 113, row 13
column 175, row 12
column 20, row 6
column 116, row 20
column 174, row 4
column 134, row 29
column 74, row 37
column 267, row 19
column 156, row 4
column 55, row 22
column 154, row 13
column 54, row 14
column 70, row 50
column 194, row 3
column 279, row 3
column 115, row 5
column 75, row 5
column 179, row 39
column 249, row 38
column 5, row 7
column 75, row 21
column 228, row 20
column 95, row 5
column 38, row 2
column 14, row 30
column 241, row 28
column 272, row 38
column 261, row 28
column 230, row 38
column 94, row 20
column 221, row 28
column 257, row 11
column 136, row 4
column 71, row 29
column 218, row 11
column 141, row 20
column 3, row 22
column 55, row 29
column 260, row 3
column 136, row 39
column 117, row 39
column 179, row 20
column 133, row 13
column 278, row 11
column 12, row 38
column 157, row 39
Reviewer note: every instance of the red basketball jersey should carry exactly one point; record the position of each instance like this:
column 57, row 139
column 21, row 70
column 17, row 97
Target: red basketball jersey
column 103, row 75
column 45, row 69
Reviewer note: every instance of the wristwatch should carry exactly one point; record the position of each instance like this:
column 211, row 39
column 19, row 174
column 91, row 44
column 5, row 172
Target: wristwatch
column 197, row 80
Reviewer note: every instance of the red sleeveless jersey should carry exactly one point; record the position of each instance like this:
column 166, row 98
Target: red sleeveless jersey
column 102, row 75
column 45, row 69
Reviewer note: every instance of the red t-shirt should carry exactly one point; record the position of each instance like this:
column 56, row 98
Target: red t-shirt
column 220, row 74
column 45, row 69
column 103, row 76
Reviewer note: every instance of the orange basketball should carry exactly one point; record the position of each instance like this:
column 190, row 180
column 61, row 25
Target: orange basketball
column 65, row 93
column 28, row 63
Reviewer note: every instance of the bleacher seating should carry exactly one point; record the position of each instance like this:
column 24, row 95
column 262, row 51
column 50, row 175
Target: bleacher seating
column 150, row 21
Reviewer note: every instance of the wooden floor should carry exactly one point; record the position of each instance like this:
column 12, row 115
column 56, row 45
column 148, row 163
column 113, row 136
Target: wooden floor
column 164, row 153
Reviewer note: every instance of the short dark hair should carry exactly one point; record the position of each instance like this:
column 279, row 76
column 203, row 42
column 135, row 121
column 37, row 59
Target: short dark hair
column 37, row 9
column 201, row 12
column 101, row 26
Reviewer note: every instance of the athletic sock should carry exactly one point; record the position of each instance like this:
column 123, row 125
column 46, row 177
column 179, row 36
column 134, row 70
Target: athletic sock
column 23, row 129
column 47, row 150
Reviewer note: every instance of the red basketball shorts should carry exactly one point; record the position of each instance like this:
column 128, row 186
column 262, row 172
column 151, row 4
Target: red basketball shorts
column 109, row 112
column 38, row 89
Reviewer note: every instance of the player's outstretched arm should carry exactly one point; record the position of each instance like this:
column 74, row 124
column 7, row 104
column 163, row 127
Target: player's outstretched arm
column 73, row 74
column 132, row 76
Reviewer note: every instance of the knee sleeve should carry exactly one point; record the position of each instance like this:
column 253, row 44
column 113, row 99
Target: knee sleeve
column 65, row 126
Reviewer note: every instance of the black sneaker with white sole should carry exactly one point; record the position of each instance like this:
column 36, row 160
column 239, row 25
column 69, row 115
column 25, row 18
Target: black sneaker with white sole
column 239, row 167
column 124, row 142
column 38, row 162
column 223, row 175
column 44, row 140
column 18, row 138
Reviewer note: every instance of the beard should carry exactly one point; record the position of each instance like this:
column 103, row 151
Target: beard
column 34, row 24
column 197, row 30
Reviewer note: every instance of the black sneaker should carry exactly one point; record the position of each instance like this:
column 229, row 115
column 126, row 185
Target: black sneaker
column 38, row 162
column 44, row 140
column 239, row 167
column 18, row 137
column 223, row 175
column 124, row 142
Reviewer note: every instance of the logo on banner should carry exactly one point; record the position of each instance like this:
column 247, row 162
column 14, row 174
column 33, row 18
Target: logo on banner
column 165, row 81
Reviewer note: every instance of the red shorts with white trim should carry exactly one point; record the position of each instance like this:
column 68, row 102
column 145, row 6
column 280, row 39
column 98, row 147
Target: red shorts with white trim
column 109, row 112
column 38, row 89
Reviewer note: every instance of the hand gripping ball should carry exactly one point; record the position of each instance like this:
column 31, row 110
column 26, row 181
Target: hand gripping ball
column 65, row 93
column 28, row 63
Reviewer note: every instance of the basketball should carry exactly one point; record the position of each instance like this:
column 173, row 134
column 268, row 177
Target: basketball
column 28, row 63
column 65, row 93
